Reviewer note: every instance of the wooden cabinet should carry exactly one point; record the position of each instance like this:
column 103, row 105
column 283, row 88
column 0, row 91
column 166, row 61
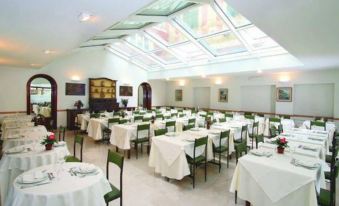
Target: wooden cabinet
column 102, row 94
column 71, row 115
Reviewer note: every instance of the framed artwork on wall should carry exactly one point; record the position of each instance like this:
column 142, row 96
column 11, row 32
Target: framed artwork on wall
column 223, row 95
column 126, row 91
column 178, row 95
column 284, row 94
column 77, row 89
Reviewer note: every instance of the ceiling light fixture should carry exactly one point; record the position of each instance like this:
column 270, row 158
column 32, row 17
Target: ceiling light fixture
column 182, row 83
column 84, row 17
column 218, row 81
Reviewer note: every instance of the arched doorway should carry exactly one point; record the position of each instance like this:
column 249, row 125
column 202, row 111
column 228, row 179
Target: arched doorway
column 145, row 96
column 41, row 96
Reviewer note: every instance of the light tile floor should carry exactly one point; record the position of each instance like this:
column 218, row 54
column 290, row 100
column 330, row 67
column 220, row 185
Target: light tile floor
column 142, row 187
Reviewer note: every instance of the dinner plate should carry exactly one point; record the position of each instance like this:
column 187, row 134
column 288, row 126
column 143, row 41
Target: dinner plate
column 195, row 129
column 15, row 150
column 171, row 134
column 85, row 169
column 32, row 179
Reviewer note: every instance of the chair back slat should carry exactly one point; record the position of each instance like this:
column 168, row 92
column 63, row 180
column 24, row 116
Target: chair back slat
column 159, row 132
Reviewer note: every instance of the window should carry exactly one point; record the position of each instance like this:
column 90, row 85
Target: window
column 130, row 25
column 189, row 51
column 165, row 57
column 142, row 42
column 226, row 43
column 202, row 21
column 124, row 49
column 144, row 60
column 165, row 7
column 237, row 19
column 167, row 34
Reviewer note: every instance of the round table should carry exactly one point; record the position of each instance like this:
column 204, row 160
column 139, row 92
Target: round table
column 12, row 165
column 64, row 189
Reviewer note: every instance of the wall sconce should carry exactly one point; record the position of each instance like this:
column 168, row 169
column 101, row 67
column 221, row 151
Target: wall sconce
column 75, row 78
column 203, row 76
column 182, row 83
column 218, row 81
column 284, row 79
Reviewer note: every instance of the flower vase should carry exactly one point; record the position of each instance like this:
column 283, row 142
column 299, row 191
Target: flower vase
column 280, row 150
column 48, row 146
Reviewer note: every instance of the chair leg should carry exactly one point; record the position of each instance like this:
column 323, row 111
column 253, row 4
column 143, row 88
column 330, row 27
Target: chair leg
column 228, row 158
column 136, row 150
column 236, row 197
column 205, row 170
column 193, row 173
column 116, row 149
column 219, row 162
column 141, row 148
column 148, row 149
column 121, row 200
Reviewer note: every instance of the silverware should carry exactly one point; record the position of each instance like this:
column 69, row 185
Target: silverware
column 33, row 185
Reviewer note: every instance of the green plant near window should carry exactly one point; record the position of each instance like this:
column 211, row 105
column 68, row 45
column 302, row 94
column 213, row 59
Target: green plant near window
column 124, row 102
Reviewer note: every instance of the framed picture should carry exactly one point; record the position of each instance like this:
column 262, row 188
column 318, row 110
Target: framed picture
column 284, row 94
column 126, row 91
column 223, row 95
column 178, row 95
column 75, row 89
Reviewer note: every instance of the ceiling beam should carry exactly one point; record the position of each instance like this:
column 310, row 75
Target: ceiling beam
column 146, row 18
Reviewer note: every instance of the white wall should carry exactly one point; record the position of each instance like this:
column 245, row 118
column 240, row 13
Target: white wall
column 201, row 97
column 159, row 92
column 85, row 63
column 238, row 83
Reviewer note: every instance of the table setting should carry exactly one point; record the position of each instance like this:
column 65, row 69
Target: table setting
column 22, row 158
column 25, row 132
column 59, row 184
column 168, row 152
column 268, row 178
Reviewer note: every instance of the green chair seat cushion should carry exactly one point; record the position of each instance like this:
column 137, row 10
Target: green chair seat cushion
column 71, row 159
column 141, row 140
column 240, row 147
column 197, row 160
column 112, row 195
column 220, row 149
column 324, row 198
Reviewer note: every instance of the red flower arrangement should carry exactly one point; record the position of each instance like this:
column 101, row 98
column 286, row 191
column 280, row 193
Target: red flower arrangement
column 49, row 141
column 282, row 144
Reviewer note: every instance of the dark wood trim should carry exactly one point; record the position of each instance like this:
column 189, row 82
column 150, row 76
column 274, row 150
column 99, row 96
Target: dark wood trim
column 147, row 95
column 54, row 96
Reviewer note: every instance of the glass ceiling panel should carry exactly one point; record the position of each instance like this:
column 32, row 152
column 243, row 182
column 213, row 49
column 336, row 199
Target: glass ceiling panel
column 142, row 42
column 166, row 57
column 167, row 33
column 202, row 21
column 130, row 25
column 226, row 43
column 124, row 49
column 189, row 51
column 165, row 7
column 237, row 19
column 257, row 39
column 142, row 59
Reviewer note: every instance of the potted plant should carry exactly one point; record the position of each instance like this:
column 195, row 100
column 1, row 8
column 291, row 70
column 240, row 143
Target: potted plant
column 49, row 141
column 78, row 104
column 124, row 102
column 282, row 144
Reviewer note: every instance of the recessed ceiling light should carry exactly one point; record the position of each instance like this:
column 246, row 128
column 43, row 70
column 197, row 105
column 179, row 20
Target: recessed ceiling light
column 83, row 17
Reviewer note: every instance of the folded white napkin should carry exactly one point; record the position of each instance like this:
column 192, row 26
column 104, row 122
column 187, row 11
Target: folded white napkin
column 29, row 177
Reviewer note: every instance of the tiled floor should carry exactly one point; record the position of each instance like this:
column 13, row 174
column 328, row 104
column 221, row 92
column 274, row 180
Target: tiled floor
column 142, row 187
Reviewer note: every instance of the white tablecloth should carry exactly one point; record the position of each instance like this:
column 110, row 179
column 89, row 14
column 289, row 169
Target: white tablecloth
column 12, row 165
column 274, row 181
column 122, row 134
column 13, row 142
column 63, row 190
column 45, row 111
column 168, row 154
column 16, row 124
column 24, row 132
column 83, row 120
column 16, row 118
column 330, row 127
column 95, row 127
column 287, row 124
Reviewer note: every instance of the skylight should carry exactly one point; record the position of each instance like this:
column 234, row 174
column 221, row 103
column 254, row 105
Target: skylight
column 188, row 34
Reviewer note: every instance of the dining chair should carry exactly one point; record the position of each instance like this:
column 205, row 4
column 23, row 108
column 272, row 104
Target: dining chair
column 61, row 133
column 318, row 124
column 254, row 133
column 123, row 121
column 328, row 197
column 221, row 148
column 170, row 126
column 181, row 115
column 191, row 121
column 141, row 138
column 159, row 132
column 188, row 127
column 118, row 160
column 78, row 139
column 198, row 160
column 146, row 119
column 334, row 147
column 248, row 113
column 221, row 120
column 138, row 118
column 94, row 115
column 240, row 146
column 174, row 115
column 285, row 116
column 106, row 132
column 273, row 121
column 249, row 116
column 159, row 117
column 228, row 115
column 273, row 131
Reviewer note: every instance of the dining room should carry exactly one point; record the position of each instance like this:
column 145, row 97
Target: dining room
column 169, row 102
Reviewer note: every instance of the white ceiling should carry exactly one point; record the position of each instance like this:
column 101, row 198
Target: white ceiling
column 307, row 29
column 28, row 27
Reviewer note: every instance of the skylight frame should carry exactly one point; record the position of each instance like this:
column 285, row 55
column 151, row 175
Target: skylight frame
column 169, row 13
